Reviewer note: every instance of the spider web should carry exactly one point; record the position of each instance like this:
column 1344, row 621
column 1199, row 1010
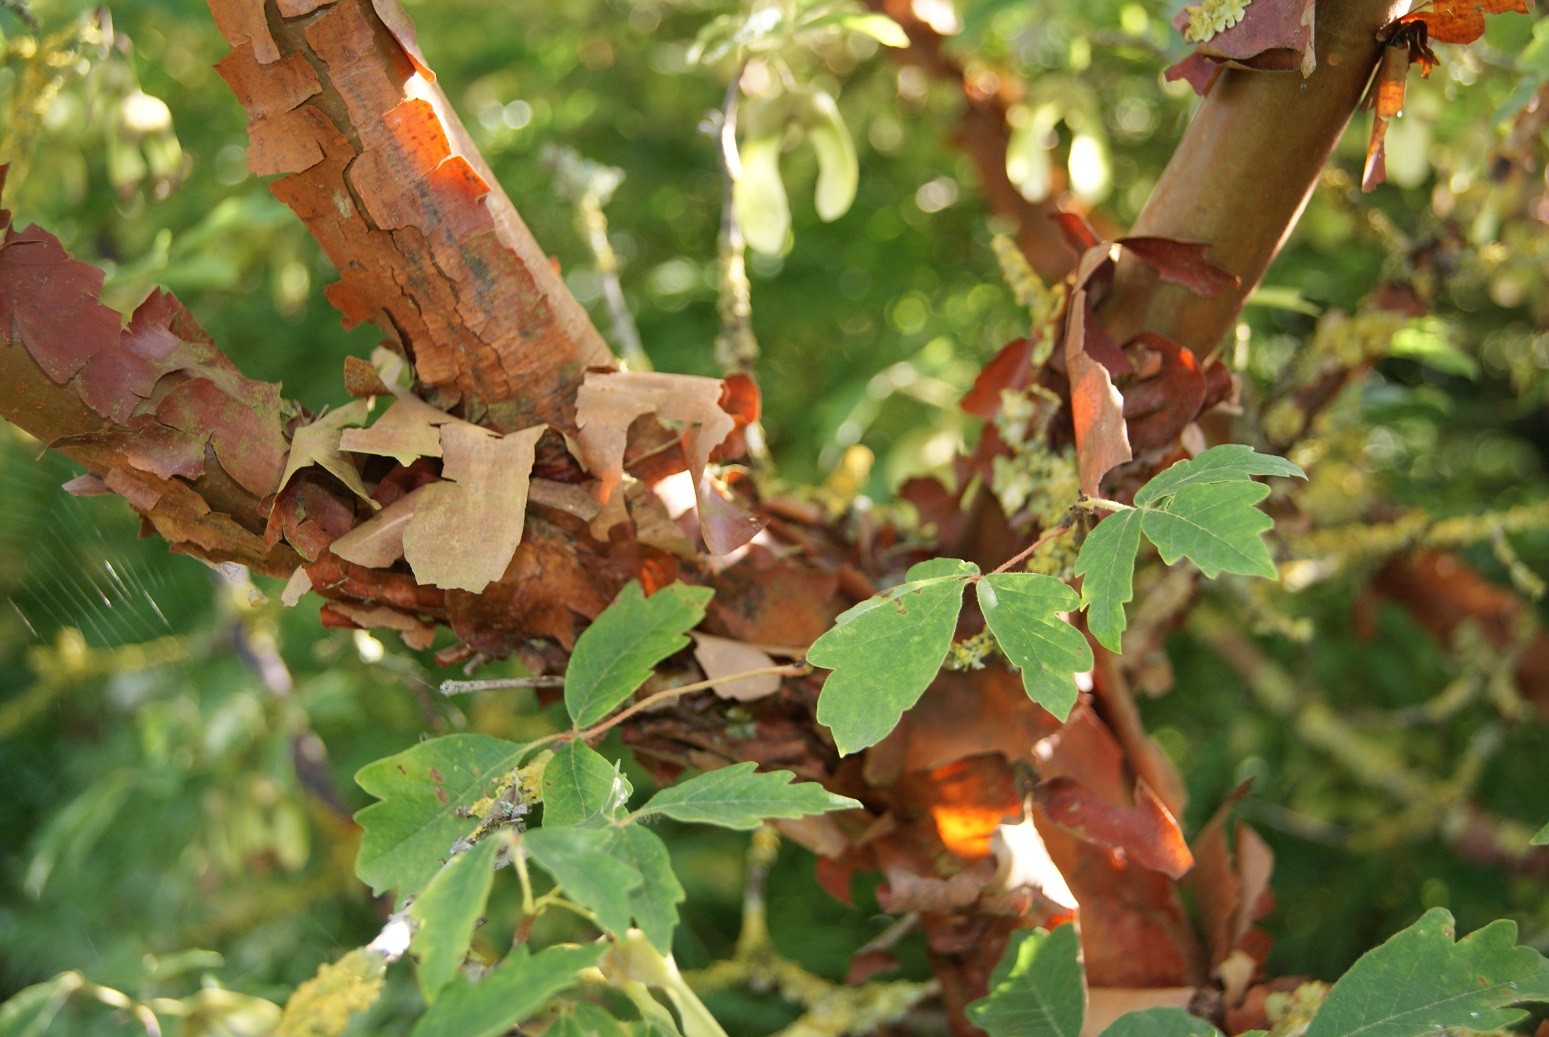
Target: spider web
column 78, row 563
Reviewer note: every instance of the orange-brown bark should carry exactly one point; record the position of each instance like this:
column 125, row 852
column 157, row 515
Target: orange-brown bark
column 427, row 245
column 430, row 249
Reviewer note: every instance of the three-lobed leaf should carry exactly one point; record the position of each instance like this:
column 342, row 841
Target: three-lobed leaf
column 447, row 910
column 1202, row 509
column 1232, row 462
column 740, row 797
column 1215, row 526
column 615, row 655
column 582, row 787
column 1420, row 981
column 886, row 650
column 581, row 860
column 1037, row 990
column 655, row 902
column 1022, row 611
column 514, row 990
column 406, row 837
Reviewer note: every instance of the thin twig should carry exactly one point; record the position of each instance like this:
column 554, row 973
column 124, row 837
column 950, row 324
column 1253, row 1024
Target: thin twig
column 451, row 687
column 1057, row 530
column 795, row 669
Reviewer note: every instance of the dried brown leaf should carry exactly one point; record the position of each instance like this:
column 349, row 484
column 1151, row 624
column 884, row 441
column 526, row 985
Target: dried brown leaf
column 610, row 401
column 1461, row 21
column 1146, row 832
column 1102, row 439
column 721, row 657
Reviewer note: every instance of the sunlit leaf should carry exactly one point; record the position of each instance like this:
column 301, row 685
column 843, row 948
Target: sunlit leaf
column 1233, row 462
column 758, row 197
column 406, row 837
column 617, row 652
column 838, row 168
column 447, row 910
column 740, row 797
column 1037, row 989
column 513, row 991
column 1216, row 527
column 1022, row 610
column 1420, row 981
column 885, row 651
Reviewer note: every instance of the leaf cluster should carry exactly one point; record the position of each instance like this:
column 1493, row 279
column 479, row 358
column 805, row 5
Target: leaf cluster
column 886, row 650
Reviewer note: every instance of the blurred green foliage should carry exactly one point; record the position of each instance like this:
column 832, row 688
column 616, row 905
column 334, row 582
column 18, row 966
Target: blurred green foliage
column 161, row 724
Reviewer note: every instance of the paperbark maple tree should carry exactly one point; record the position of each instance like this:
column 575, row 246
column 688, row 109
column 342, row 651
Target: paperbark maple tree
column 369, row 154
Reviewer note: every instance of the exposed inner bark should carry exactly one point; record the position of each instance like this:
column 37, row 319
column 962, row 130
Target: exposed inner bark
column 431, row 250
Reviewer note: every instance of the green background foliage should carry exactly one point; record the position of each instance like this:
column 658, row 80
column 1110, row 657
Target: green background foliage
column 167, row 792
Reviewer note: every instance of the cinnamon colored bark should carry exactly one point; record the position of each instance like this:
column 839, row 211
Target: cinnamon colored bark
column 430, row 249
column 427, row 245
column 152, row 410
column 1242, row 174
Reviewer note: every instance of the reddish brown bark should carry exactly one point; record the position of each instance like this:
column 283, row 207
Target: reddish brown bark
column 426, row 242
column 432, row 251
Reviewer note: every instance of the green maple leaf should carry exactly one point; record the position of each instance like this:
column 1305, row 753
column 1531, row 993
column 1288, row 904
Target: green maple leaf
column 1202, row 509
column 582, row 787
column 514, row 990
column 1037, row 989
column 1421, row 982
column 885, row 651
column 1022, row 611
column 582, row 862
column 410, row 833
column 1215, row 526
column 447, row 910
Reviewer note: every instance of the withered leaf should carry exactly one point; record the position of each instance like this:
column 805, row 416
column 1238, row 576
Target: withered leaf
column 1267, row 35
column 1389, row 88
column 410, row 428
column 466, row 528
column 1461, row 21
column 1146, row 832
column 1181, row 263
column 722, row 657
column 1102, row 439
column 416, row 633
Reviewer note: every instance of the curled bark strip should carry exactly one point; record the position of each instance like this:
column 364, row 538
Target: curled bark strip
column 153, row 410
column 428, row 246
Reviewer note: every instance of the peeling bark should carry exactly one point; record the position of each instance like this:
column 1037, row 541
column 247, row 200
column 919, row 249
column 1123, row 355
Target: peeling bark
column 428, row 246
